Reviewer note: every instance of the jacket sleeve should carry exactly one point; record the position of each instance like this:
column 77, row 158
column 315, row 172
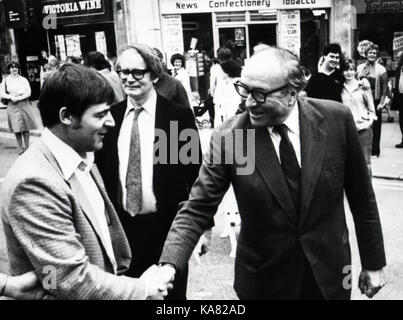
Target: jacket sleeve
column 361, row 198
column 195, row 214
column 41, row 217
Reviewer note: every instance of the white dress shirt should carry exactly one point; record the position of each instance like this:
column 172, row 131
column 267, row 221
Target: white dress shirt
column 146, row 123
column 292, row 124
column 71, row 163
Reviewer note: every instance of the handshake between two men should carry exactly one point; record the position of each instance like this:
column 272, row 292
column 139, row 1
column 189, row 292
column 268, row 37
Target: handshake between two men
column 158, row 280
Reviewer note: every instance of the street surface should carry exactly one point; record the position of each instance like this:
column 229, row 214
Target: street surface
column 213, row 277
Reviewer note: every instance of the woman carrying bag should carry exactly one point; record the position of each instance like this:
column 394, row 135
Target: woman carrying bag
column 15, row 91
column 357, row 96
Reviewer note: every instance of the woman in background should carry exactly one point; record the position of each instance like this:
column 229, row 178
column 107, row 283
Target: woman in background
column 358, row 97
column 21, row 119
column 180, row 73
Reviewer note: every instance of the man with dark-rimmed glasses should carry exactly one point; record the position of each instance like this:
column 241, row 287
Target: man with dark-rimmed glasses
column 293, row 242
column 146, row 192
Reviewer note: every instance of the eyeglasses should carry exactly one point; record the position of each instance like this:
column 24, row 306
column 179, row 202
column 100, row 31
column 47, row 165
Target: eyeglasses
column 137, row 74
column 259, row 95
column 14, row 67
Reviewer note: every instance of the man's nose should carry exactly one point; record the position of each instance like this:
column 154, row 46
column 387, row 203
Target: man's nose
column 250, row 101
column 130, row 78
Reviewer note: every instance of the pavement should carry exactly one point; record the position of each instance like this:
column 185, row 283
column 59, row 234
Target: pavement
column 388, row 166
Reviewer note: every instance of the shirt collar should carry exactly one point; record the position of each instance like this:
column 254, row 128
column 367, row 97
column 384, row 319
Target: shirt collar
column 292, row 122
column 149, row 106
column 67, row 158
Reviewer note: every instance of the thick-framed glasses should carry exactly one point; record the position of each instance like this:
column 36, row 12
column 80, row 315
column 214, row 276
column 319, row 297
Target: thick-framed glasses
column 259, row 95
column 137, row 74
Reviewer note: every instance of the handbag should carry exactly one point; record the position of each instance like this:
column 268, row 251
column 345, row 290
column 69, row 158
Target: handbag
column 5, row 101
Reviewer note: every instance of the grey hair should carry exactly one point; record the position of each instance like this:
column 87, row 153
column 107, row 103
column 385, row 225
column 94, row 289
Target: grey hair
column 148, row 54
column 294, row 71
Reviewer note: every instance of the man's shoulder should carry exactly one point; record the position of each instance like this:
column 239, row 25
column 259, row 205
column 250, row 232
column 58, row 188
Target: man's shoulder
column 32, row 168
column 327, row 107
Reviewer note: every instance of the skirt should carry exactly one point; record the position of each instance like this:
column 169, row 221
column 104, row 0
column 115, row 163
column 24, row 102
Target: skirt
column 22, row 116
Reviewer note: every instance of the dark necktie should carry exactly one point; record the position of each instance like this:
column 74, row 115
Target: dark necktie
column 134, row 195
column 290, row 166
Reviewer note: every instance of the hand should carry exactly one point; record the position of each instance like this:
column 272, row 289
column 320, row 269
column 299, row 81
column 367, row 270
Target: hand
column 157, row 287
column 26, row 287
column 380, row 106
column 14, row 99
column 370, row 282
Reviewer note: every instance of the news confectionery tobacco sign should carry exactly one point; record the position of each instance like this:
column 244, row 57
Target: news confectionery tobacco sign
column 197, row 6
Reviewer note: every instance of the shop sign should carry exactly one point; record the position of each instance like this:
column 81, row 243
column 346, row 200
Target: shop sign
column 22, row 13
column 68, row 9
column 397, row 44
column 377, row 6
column 172, row 35
column 289, row 31
column 198, row 6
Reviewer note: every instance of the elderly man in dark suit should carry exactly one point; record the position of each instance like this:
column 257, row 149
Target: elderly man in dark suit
column 142, row 164
column 293, row 242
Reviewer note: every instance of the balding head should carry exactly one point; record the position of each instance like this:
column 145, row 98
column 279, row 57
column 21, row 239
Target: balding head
column 277, row 64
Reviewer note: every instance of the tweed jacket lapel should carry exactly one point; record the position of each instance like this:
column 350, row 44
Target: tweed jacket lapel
column 120, row 244
column 78, row 194
column 313, row 149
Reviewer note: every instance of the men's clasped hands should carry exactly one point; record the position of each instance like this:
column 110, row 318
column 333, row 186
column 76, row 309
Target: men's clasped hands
column 158, row 280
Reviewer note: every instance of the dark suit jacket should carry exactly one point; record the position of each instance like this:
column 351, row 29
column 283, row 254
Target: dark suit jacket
column 171, row 182
column 172, row 89
column 273, row 237
column 397, row 102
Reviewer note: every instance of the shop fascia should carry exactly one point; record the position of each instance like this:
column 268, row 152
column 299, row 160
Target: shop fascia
column 197, row 6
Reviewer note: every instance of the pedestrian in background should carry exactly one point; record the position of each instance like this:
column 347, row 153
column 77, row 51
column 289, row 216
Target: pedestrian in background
column 51, row 66
column 397, row 103
column 21, row 118
column 377, row 76
column 358, row 97
column 227, row 99
column 169, row 87
column 179, row 72
column 328, row 81
column 97, row 61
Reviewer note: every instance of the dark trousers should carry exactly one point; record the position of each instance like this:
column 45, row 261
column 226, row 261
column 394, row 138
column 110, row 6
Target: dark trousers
column 146, row 234
column 401, row 120
column 376, row 130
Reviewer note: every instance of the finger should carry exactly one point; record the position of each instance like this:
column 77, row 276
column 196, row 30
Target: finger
column 361, row 286
column 369, row 293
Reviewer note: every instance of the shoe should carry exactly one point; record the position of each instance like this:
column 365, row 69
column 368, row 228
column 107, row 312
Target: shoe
column 399, row 146
column 21, row 151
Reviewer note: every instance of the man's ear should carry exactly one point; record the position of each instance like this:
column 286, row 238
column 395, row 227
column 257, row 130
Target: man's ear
column 155, row 80
column 65, row 117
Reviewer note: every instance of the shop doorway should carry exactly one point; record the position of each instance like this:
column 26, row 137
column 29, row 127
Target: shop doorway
column 262, row 33
column 234, row 38
column 242, row 39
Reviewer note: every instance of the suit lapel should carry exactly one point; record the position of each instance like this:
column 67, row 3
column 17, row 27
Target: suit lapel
column 313, row 147
column 268, row 165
